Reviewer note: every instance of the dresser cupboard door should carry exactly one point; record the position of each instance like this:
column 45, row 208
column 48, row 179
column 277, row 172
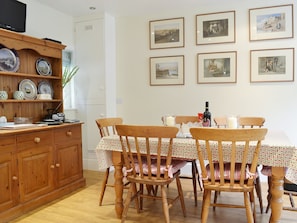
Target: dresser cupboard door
column 68, row 155
column 35, row 164
column 8, row 181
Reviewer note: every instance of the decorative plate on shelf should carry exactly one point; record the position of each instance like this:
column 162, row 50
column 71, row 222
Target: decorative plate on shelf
column 44, row 87
column 29, row 88
column 9, row 60
column 43, row 67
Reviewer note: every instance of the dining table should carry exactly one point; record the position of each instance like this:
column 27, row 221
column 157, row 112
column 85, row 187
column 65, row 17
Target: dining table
column 276, row 151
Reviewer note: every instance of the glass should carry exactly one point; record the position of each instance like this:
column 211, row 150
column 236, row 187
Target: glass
column 169, row 120
column 232, row 122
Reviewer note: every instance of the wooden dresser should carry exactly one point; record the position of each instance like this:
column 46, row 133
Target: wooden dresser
column 37, row 164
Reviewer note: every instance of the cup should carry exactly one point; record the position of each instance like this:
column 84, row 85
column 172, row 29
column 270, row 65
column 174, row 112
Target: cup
column 3, row 119
column 200, row 117
column 169, row 120
column 232, row 122
column 3, row 95
column 18, row 95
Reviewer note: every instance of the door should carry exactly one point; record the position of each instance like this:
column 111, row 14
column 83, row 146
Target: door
column 9, row 181
column 36, row 171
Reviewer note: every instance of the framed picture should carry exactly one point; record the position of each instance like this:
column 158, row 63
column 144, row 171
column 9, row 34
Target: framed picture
column 167, row 33
column 217, row 67
column 272, row 65
column 274, row 22
column 167, row 70
column 215, row 28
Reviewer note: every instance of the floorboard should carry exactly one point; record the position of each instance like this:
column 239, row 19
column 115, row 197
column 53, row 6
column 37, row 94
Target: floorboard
column 82, row 207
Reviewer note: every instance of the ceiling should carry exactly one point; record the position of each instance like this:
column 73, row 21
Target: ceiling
column 122, row 7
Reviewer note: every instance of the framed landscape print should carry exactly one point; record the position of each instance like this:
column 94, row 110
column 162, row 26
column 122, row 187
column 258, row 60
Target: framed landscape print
column 215, row 28
column 167, row 33
column 272, row 65
column 274, row 22
column 217, row 67
column 168, row 70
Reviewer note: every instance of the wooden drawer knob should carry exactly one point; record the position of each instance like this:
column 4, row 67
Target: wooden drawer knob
column 37, row 140
column 58, row 165
column 52, row 166
column 69, row 133
column 14, row 178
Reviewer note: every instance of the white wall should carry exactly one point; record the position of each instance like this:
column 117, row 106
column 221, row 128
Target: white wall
column 140, row 103
column 45, row 22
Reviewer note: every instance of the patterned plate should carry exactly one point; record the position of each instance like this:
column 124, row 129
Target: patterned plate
column 29, row 88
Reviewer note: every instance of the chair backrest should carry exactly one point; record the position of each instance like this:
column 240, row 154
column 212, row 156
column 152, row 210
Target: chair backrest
column 150, row 153
column 220, row 122
column 107, row 125
column 180, row 119
column 228, row 142
column 185, row 119
column 251, row 122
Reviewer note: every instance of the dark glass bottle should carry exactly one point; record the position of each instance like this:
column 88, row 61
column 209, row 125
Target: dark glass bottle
column 206, row 115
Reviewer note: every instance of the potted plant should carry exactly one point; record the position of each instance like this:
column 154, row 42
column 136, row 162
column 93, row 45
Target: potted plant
column 68, row 74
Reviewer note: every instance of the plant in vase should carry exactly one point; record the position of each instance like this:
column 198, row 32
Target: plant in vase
column 68, row 74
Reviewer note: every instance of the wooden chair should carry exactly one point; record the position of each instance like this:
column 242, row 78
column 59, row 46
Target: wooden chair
column 152, row 165
column 180, row 120
column 218, row 181
column 106, row 127
column 220, row 122
column 254, row 122
column 251, row 122
column 245, row 122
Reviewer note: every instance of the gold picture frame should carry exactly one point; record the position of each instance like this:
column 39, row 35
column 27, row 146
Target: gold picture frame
column 216, row 27
column 272, row 65
column 167, row 70
column 167, row 33
column 274, row 22
column 217, row 67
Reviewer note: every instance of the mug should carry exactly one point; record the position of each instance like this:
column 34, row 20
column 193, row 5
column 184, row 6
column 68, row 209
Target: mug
column 18, row 95
column 3, row 95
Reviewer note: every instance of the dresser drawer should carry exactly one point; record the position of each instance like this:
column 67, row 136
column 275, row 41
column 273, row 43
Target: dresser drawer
column 67, row 134
column 35, row 139
column 7, row 143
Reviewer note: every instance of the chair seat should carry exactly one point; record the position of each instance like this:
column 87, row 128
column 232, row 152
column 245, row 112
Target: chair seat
column 267, row 170
column 175, row 166
column 227, row 167
column 290, row 187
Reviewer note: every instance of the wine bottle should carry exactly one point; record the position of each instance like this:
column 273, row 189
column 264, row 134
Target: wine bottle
column 206, row 115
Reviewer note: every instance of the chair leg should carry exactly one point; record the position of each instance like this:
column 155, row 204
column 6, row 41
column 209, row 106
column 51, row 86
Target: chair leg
column 181, row 195
column 268, row 194
column 104, row 183
column 292, row 200
column 205, row 205
column 259, row 193
column 215, row 198
column 198, row 176
column 127, row 202
column 141, row 198
column 194, row 181
column 248, row 202
column 165, row 204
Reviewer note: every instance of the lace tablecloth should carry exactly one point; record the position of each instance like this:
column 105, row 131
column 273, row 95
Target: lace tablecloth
column 277, row 151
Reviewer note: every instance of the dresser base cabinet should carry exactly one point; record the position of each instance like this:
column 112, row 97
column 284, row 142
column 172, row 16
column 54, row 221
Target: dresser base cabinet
column 38, row 166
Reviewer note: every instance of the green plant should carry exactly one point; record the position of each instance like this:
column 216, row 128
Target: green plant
column 68, row 74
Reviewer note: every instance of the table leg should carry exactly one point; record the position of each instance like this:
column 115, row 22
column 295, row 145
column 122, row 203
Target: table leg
column 118, row 183
column 277, row 191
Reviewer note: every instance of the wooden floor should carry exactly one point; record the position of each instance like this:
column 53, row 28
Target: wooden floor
column 82, row 207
